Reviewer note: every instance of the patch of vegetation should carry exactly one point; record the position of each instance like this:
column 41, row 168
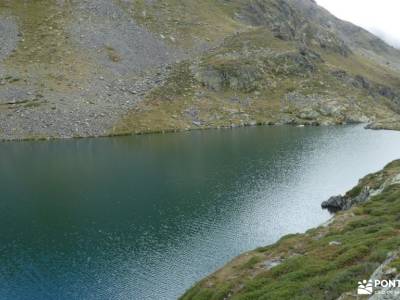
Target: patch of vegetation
column 156, row 113
column 324, row 262
column 33, row 104
column 44, row 50
column 113, row 54
column 187, row 23
column 258, row 38
column 251, row 262
column 356, row 64
column 40, row 24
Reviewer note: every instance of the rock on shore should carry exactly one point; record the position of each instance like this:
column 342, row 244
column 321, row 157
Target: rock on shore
column 360, row 242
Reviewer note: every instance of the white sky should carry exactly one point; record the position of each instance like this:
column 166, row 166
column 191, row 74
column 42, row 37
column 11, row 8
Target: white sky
column 381, row 17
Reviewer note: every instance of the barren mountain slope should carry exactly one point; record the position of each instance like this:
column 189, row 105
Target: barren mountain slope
column 72, row 68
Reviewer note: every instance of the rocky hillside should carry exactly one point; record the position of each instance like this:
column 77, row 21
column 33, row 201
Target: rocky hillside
column 72, row 68
column 360, row 242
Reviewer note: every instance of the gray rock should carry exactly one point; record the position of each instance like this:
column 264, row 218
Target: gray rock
column 13, row 95
column 236, row 77
column 8, row 36
column 269, row 264
column 385, row 273
column 308, row 115
column 197, row 123
column 338, row 203
column 334, row 243
column 106, row 28
column 335, row 203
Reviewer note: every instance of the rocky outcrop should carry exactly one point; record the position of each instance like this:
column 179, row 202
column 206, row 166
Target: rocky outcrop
column 386, row 272
column 368, row 187
column 233, row 76
column 383, row 272
column 338, row 203
column 324, row 109
column 247, row 71
column 287, row 23
column 372, row 88
column 391, row 124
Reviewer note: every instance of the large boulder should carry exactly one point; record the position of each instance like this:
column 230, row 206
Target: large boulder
column 335, row 203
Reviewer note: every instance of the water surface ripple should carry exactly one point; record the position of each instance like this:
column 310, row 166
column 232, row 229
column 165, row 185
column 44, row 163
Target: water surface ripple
column 145, row 217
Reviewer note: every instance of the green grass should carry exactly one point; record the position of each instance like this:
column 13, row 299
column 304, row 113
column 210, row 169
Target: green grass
column 45, row 49
column 40, row 26
column 161, row 105
column 186, row 23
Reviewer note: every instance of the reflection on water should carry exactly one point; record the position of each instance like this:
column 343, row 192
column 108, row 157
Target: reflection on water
column 145, row 217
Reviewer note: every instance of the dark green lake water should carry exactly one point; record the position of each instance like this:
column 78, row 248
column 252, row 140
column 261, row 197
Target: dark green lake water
column 145, row 217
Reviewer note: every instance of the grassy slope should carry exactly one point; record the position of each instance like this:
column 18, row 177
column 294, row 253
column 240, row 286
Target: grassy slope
column 312, row 266
column 190, row 23
column 46, row 59
column 165, row 108
column 44, row 48
column 187, row 23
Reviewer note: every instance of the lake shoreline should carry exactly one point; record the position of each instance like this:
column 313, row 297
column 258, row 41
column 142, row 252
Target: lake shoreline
column 167, row 131
column 356, row 243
